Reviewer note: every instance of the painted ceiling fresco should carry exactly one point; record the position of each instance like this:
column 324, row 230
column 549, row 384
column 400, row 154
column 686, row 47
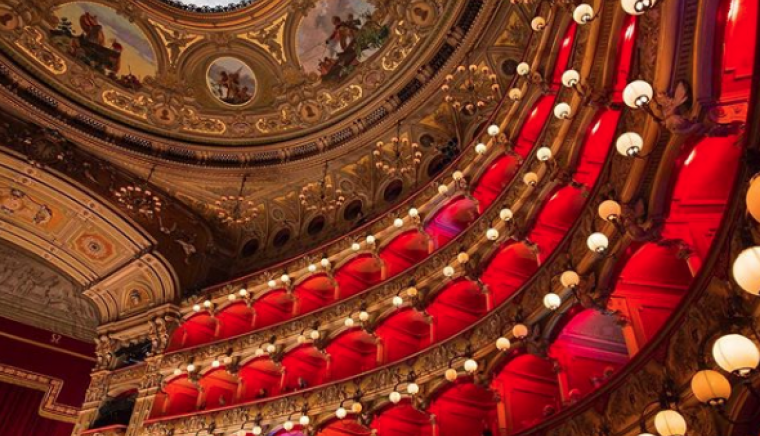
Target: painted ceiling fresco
column 295, row 68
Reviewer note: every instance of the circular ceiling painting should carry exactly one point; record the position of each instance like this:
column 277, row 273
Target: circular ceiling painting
column 231, row 81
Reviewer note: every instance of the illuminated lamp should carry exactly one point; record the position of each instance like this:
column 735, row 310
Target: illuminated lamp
column 413, row 388
column 492, row 234
column 523, row 69
column 355, row 246
column 598, row 242
column 216, row 363
column 414, row 213
column 571, row 78
column 398, row 223
column 443, row 189
column 357, row 407
column 670, row 423
column 304, row 420
column 207, row 304
column 515, row 94
column 448, row 271
column 506, row 214
column 583, row 13
column 629, row 144
column 746, row 270
column 257, row 430
column 493, row 130
column 314, row 335
column 753, row 198
column 463, row 257
column 272, row 283
column 451, row 374
column 191, row 368
column 520, row 331
column 232, row 297
column 196, row 308
column 325, row 262
column 736, row 354
column 470, row 365
column 457, row 176
column 481, row 148
column 503, row 344
column 538, row 24
column 243, row 292
column 530, row 179
column 563, row 111
column 349, row 322
column 341, row 413
column 285, row 278
column 398, row 301
column 271, row 348
column 570, row 279
column 363, row 316
column 395, row 397
column 544, row 154
column 177, row 371
column 371, row 240
column 637, row 7
column 288, row 425
column 552, row 301
column 711, row 387
column 610, row 210
column 312, row 268
column 638, row 94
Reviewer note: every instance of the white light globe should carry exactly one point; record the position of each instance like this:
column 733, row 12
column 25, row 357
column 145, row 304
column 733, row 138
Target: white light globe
column 563, row 111
column 552, row 301
column 196, row 308
column 506, row 214
column 314, row 335
column 670, row 423
column 443, row 189
column 451, row 374
column 503, row 344
column 520, row 331
column 398, row 301
column 746, row 270
column 493, row 130
column 538, row 24
column 638, row 94
column 413, row 388
column 571, row 78
column 629, row 144
column 515, row 94
column 523, row 69
column 463, row 257
column 457, row 176
column 288, row 425
column 312, row 268
column 414, row 213
column 598, row 242
column 492, row 234
column 398, row 223
column 363, row 316
column 395, row 397
column 544, row 154
column 341, row 413
column 470, row 365
column 637, row 7
column 304, row 420
column 610, row 210
column 481, row 148
column 583, row 13
column 736, row 354
column 272, row 284
column 349, row 322
column 530, row 179
column 257, row 430
column 448, row 271
column 569, row 279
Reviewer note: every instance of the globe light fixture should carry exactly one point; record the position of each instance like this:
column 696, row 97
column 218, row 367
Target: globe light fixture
column 288, row 425
column 457, row 176
column 530, row 179
column 515, row 94
column 638, row 94
column 443, row 189
column 196, row 307
column 448, row 271
column 538, row 24
column 637, row 7
column 414, row 213
column 398, row 301
column 272, row 284
column 753, row 198
column 371, row 240
column 349, row 322
column 451, row 374
column 503, row 344
column 363, row 316
column 570, row 279
column 493, row 130
column 571, row 78
column 412, row 292
column 413, row 388
column 746, row 270
column 544, row 154
column 216, row 363
column 520, row 331
column 314, row 335
column 398, row 223
column 610, row 210
column 598, row 242
column 394, row 397
column 177, row 371
column 629, row 144
column 257, row 430
column 271, row 348
column 304, row 420
column 506, row 214
column 481, row 148
column 357, row 407
column 285, row 279
column 736, row 354
column 207, row 304
column 583, row 13
column 492, row 234
column 470, row 365
column 341, row 413
column 670, row 423
column 552, row 301
column 463, row 257
column 312, row 268
column 523, row 69
column 711, row 387
column 563, row 111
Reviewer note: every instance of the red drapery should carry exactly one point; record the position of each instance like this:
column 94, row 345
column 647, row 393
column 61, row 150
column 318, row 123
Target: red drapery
column 19, row 414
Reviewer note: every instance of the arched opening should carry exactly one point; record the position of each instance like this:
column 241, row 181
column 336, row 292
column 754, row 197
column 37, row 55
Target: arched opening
column 403, row 333
column 304, row 367
column 464, row 409
column 116, row 411
column 314, row 293
column 273, row 307
column 178, row 397
column 405, row 251
column 508, row 270
column 359, row 274
column 529, row 392
column 451, row 220
column 352, row 352
column 234, row 320
column 556, row 217
column 402, row 420
column 219, row 389
column 494, row 180
column 196, row 330
column 259, row 378
column 589, row 350
column 649, row 288
column 457, row 306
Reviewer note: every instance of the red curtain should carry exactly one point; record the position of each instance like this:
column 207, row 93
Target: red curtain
column 19, row 414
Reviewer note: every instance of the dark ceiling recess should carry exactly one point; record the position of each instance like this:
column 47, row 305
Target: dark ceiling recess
column 281, row 238
column 353, row 210
column 393, row 191
column 316, row 225
column 250, row 248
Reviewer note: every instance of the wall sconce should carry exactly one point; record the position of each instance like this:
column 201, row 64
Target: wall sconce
column 538, row 24
column 563, row 111
column 637, row 7
column 584, row 14
column 598, row 242
column 523, row 69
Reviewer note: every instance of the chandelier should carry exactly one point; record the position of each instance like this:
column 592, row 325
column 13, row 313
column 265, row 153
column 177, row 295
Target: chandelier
column 235, row 209
column 471, row 88
column 403, row 158
column 321, row 196
column 138, row 198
